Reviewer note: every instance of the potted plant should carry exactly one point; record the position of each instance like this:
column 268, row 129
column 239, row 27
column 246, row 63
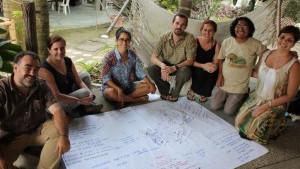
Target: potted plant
column 7, row 53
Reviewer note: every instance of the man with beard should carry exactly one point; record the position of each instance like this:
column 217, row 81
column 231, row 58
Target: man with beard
column 24, row 101
column 174, row 52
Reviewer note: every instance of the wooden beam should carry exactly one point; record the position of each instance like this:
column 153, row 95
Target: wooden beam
column 29, row 26
column 185, row 7
column 278, row 27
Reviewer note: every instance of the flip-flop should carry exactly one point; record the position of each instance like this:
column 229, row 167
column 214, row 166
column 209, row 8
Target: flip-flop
column 173, row 99
column 190, row 95
column 164, row 97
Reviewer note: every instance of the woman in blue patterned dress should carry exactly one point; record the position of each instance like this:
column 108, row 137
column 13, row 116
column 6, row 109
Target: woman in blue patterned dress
column 121, row 70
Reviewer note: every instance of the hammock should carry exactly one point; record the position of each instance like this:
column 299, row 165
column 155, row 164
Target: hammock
column 148, row 22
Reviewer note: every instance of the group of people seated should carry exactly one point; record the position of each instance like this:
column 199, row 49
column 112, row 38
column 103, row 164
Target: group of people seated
column 221, row 72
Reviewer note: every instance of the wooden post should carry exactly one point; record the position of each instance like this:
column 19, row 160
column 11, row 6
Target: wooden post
column 12, row 32
column 278, row 17
column 185, row 7
column 29, row 26
column 117, row 17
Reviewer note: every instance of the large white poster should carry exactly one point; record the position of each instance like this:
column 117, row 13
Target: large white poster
column 158, row 135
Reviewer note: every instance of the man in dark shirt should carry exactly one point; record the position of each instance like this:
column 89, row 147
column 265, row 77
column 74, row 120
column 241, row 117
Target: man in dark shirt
column 24, row 101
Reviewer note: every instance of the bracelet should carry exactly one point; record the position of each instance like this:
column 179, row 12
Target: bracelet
column 270, row 103
column 177, row 67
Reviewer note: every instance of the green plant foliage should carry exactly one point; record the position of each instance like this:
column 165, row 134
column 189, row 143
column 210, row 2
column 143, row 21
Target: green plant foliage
column 251, row 5
column 292, row 10
column 106, row 48
column 2, row 31
column 94, row 69
column 18, row 15
column 234, row 2
column 170, row 5
column 7, row 53
column 19, row 25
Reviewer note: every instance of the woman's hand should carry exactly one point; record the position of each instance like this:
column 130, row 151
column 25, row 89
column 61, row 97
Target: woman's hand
column 120, row 95
column 260, row 110
column 86, row 100
column 209, row 67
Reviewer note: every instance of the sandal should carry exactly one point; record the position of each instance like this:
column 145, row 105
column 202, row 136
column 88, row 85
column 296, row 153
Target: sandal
column 164, row 97
column 173, row 99
column 202, row 98
column 190, row 95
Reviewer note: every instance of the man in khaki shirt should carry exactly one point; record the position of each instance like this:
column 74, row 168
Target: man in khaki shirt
column 174, row 52
column 24, row 102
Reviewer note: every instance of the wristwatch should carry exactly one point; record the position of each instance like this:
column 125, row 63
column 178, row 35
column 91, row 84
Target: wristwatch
column 176, row 67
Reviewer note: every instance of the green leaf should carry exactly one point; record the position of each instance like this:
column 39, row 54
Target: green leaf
column 1, row 62
column 8, row 55
column 12, row 47
column 7, row 67
column 234, row 2
column 3, row 42
column 2, row 31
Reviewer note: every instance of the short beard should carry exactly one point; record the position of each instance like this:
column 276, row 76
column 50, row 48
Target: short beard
column 178, row 33
column 25, row 84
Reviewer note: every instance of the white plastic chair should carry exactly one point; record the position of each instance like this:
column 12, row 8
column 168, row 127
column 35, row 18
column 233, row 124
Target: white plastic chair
column 65, row 5
column 52, row 3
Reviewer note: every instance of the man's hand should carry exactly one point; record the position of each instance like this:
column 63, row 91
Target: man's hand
column 164, row 73
column 63, row 145
column 3, row 164
column 220, row 81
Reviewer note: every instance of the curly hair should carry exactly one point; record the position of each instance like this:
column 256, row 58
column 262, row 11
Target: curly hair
column 250, row 24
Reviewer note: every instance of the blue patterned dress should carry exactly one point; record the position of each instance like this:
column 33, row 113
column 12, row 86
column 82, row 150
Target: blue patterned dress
column 123, row 75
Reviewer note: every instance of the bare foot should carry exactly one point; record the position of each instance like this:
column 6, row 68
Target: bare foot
column 143, row 98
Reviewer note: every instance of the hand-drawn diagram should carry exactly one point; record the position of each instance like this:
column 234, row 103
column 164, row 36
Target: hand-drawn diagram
column 170, row 126
column 158, row 135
